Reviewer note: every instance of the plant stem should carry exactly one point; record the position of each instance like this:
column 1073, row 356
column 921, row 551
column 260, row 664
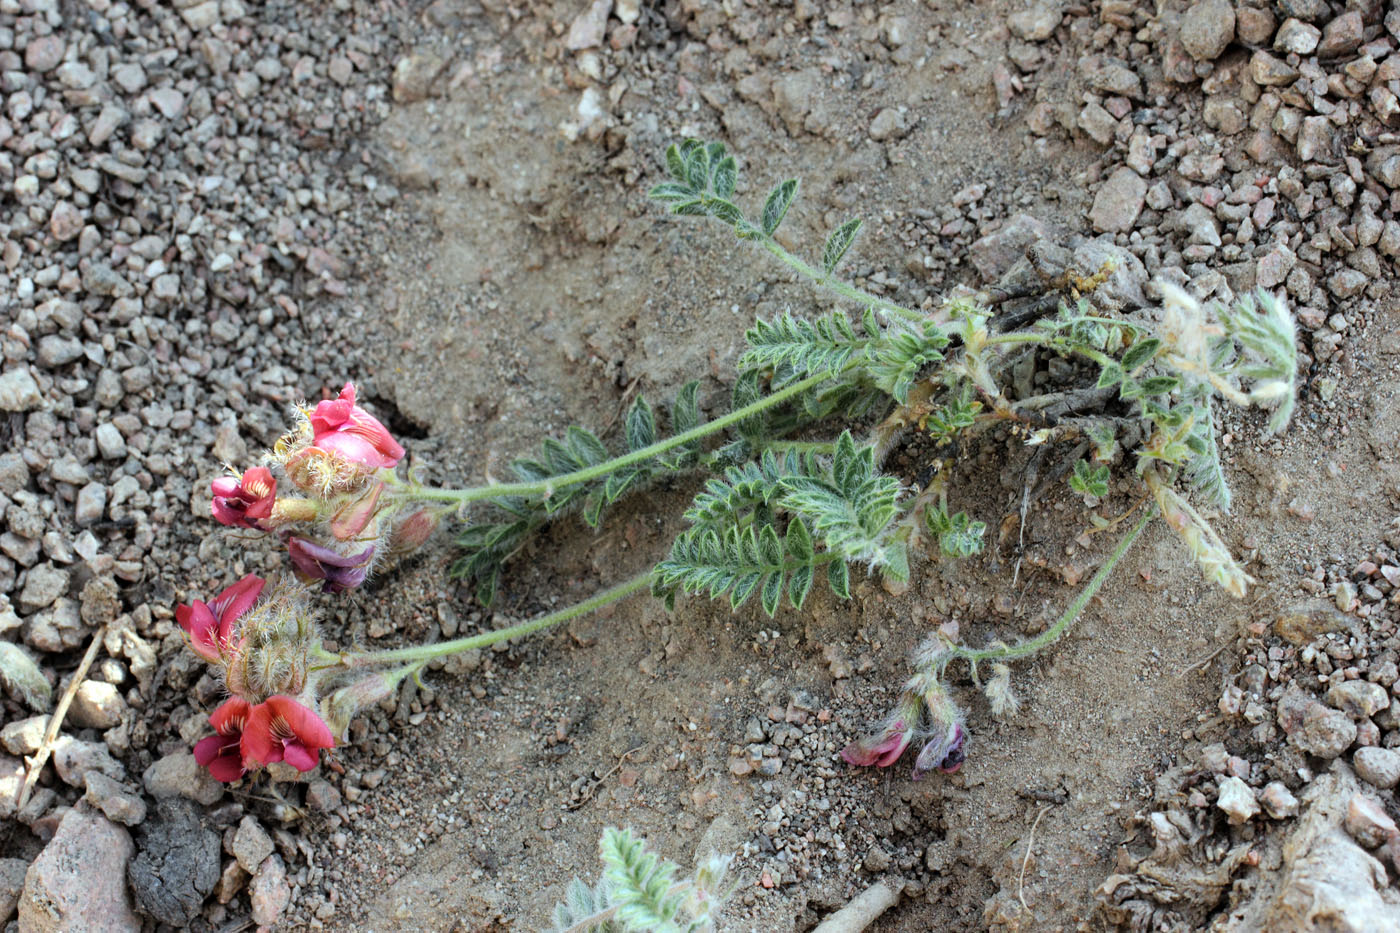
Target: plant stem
column 1052, row 634
column 802, row 447
column 486, row 639
column 831, row 283
column 587, row 474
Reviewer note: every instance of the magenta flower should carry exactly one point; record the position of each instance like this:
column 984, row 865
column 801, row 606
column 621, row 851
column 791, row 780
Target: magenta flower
column 242, row 500
column 881, row 749
column 209, row 626
column 281, row 729
column 339, row 571
column 222, row 753
column 339, row 426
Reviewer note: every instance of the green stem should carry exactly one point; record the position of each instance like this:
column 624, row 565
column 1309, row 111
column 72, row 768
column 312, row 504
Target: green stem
column 587, row 474
column 802, row 447
column 486, row 639
column 1050, row 635
column 829, row 282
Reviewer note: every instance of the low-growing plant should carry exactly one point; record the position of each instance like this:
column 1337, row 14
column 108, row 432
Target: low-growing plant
column 792, row 484
column 640, row 892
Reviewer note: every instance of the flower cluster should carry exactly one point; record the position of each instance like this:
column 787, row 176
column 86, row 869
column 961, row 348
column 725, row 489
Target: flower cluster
column 925, row 713
column 344, row 511
column 341, row 517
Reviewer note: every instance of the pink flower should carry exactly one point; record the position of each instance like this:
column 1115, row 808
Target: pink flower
column 222, row 753
column 318, row 562
column 881, row 749
column 281, row 729
column 411, row 531
column 241, row 501
column 210, row 625
column 341, row 427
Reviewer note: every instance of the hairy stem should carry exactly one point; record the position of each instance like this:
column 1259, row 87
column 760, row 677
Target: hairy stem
column 486, row 639
column 1052, row 634
column 833, row 284
column 544, row 488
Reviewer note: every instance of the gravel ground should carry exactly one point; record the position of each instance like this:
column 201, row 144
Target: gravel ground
column 209, row 213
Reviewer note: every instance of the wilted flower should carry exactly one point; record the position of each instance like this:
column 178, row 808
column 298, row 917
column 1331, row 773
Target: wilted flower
column 339, row 571
column 880, row 749
column 209, row 626
column 355, row 513
column 281, row 729
column 340, row 426
column 341, row 706
column 222, row 753
column 944, row 752
column 242, row 500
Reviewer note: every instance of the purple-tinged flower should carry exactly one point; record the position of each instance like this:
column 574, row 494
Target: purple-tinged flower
column 339, row 571
column 943, row 752
column 209, row 626
column 222, row 753
column 281, row 729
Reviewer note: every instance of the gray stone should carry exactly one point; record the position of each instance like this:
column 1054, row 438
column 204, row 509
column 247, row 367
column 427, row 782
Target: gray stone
column 43, row 54
column 269, row 893
column 89, row 505
column 78, row 883
column 57, row 628
column 1383, row 163
column 888, row 124
column 1315, row 139
column 1379, row 767
column 11, row 785
column 23, row 736
column 995, row 253
column 251, row 844
column 1346, row 283
column 1110, row 75
column 65, row 222
column 56, row 350
column 67, row 469
column 19, row 391
column 588, row 28
column 1236, row 799
column 42, row 585
column 1367, row 822
column 1279, row 801
column 176, row 864
column 114, row 799
column 201, row 15
column 1297, row 37
column 1270, row 71
column 1119, row 201
column 96, row 705
column 1359, row 699
column 73, row 759
column 1098, row 123
column 179, row 775
column 1309, row 10
column 1207, row 28
column 1199, row 223
column 110, row 443
column 1274, row 266
column 1037, row 23
column 11, row 883
column 415, row 75
column 1342, row 36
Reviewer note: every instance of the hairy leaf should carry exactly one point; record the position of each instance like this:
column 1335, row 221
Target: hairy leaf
column 838, row 243
column 776, row 207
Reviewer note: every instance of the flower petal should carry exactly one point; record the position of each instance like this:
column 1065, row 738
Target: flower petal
column 230, row 718
column 200, row 624
column 354, row 448
column 304, row 723
column 209, row 748
column 299, row 757
column 227, row 767
column 259, row 746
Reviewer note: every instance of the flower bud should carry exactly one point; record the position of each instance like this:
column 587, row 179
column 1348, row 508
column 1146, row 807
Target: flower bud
column 412, row 530
column 271, row 645
column 340, row 707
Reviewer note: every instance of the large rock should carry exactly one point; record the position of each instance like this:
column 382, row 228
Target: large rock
column 177, row 865
column 78, row 883
column 1207, row 29
column 1327, row 883
column 1119, row 201
column 995, row 253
